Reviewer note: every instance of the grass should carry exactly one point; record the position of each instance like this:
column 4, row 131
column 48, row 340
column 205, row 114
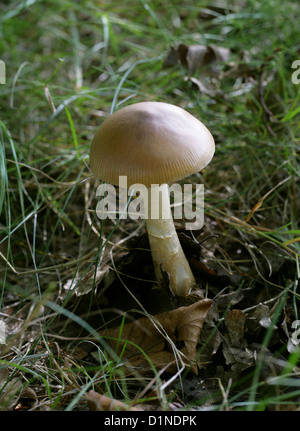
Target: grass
column 68, row 65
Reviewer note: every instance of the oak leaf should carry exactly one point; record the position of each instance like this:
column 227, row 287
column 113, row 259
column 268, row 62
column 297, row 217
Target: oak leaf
column 167, row 339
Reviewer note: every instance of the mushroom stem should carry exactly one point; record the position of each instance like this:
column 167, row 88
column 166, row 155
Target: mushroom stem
column 167, row 253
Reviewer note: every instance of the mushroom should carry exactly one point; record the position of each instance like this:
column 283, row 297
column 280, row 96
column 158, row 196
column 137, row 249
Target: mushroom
column 154, row 143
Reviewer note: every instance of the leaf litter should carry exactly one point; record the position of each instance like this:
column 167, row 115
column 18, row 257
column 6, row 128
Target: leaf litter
column 214, row 340
column 212, row 335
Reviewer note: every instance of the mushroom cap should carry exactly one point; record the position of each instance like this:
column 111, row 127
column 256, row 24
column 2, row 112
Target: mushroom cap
column 150, row 143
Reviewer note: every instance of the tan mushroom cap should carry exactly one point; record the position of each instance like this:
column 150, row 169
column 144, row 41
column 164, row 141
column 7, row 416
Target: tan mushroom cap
column 150, row 143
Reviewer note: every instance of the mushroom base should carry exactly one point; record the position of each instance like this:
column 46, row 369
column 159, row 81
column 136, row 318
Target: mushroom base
column 167, row 253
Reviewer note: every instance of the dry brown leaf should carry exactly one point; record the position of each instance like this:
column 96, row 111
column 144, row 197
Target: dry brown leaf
column 220, row 54
column 204, row 60
column 195, row 57
column 235, row 323
column 100, row 402
column 235, row 348
column 204, row 88
column 160, row 337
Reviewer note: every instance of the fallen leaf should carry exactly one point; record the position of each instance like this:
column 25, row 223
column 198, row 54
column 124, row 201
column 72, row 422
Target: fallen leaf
column 235, row 323
column 237, row 355
column 195, row 57
column 204, row 88
column 220, row 53
column 262, row 315
column 259, row 318
column 163, row 338
column 87, row 283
